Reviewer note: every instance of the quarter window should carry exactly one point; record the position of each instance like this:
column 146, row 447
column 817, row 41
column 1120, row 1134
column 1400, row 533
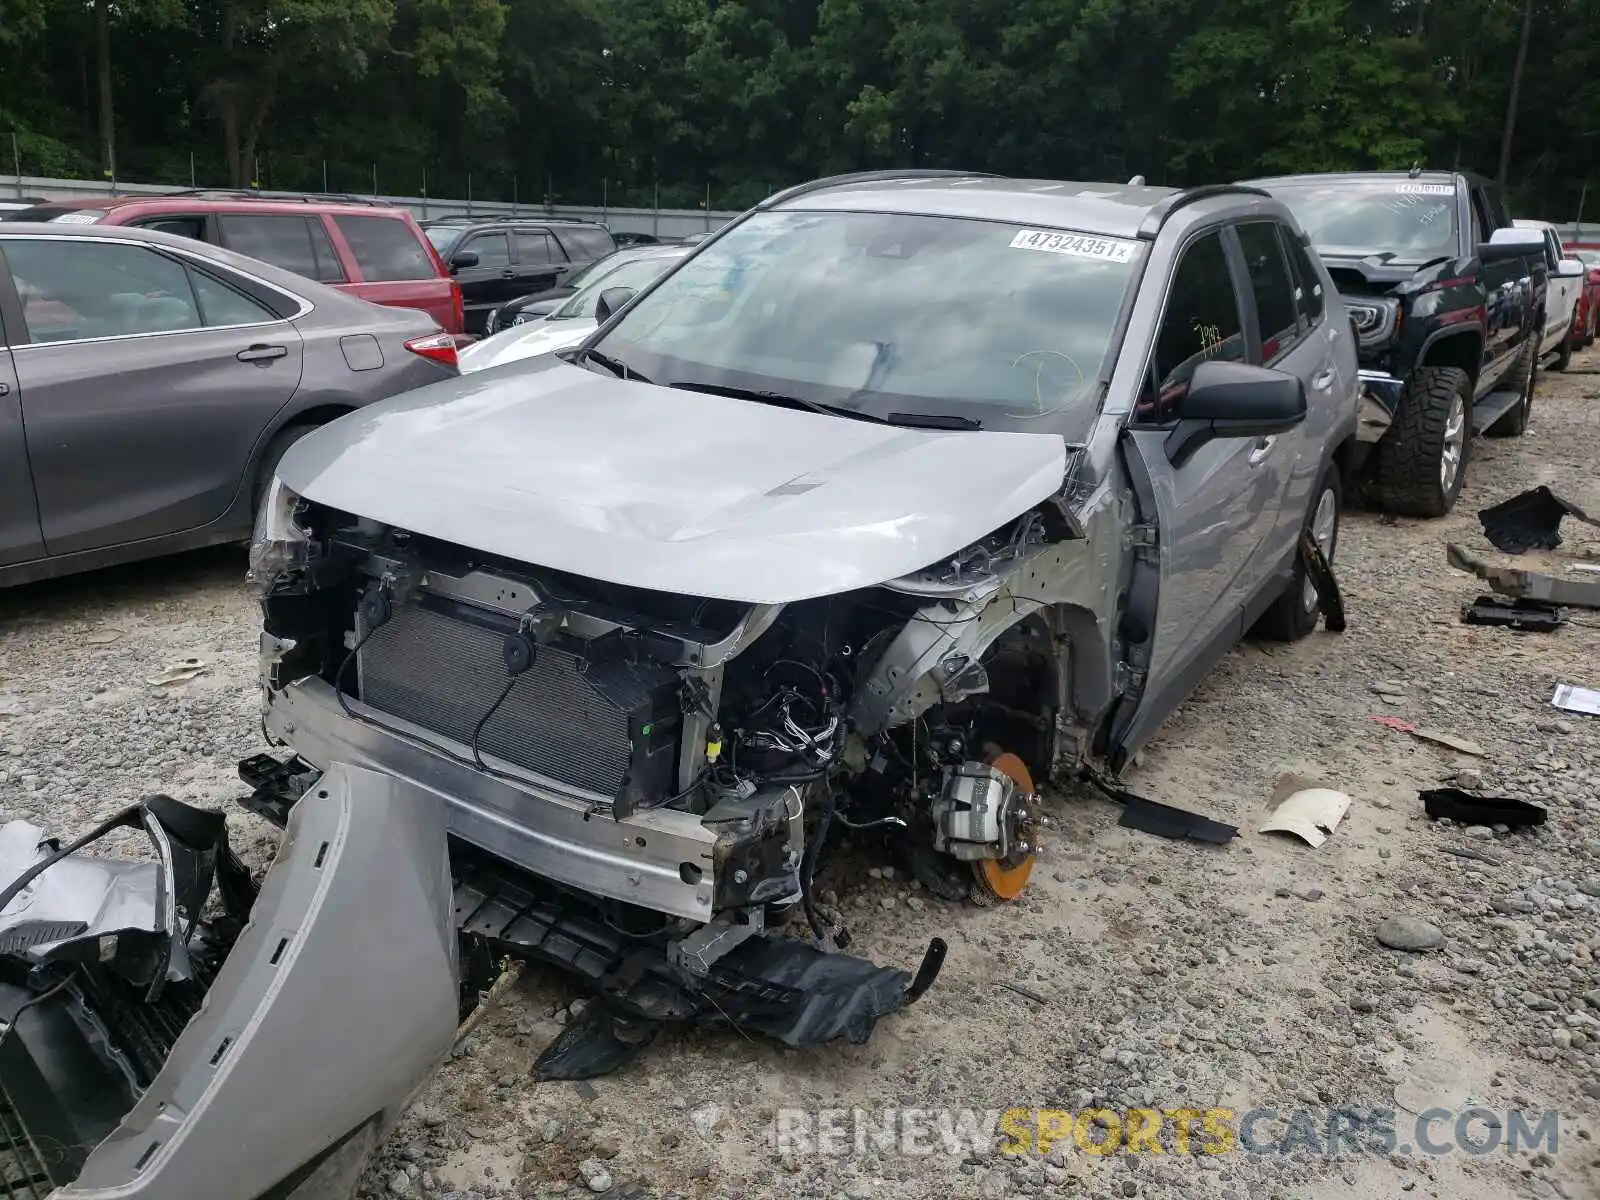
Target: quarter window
column 587, row 243
column 221, row 304
column 93, row 289
column 1271, row 285
column 386, row 249
column 1201, row 323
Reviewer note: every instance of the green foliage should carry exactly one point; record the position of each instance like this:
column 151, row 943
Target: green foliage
column 580, row 99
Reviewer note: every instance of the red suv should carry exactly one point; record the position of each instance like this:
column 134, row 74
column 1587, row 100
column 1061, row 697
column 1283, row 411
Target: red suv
column 365, row 247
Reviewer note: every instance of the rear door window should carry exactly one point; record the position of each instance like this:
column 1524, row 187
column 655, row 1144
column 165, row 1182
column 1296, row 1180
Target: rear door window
column 386, row 249
column 283, row 241
column 72, row 290
column 329, row 268
column 535, row 248
column 1307, row 280
column 1272, row 286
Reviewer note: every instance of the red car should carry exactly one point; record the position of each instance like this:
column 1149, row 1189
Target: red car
column 364, row 247
column 1587, row 324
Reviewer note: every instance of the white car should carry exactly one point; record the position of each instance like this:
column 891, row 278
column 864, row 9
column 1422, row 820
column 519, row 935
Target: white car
column 1561, row 301
column 575, row 319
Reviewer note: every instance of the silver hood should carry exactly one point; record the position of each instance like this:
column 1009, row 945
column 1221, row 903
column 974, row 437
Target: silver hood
column 550, row 464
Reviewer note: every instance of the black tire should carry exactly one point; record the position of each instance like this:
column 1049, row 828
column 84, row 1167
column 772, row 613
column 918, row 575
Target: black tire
column 270, row 458
column 1291, row 618
column 1410, row 475
column 1525, row 377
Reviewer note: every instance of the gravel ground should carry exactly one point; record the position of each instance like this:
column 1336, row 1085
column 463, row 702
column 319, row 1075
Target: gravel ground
column 1168, row 975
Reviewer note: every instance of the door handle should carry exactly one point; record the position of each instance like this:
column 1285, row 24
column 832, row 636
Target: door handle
column 261, row 354
column 1325, row 380
column 5, row 389
column 1263, row 448
column 508, row 273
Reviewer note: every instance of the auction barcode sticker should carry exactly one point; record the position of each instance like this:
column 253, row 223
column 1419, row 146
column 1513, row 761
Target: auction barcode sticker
column 1079, row 245
column 1425, row 189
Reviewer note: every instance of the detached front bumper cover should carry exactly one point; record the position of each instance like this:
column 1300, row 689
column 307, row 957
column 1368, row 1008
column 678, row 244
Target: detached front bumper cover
column 273, row 1058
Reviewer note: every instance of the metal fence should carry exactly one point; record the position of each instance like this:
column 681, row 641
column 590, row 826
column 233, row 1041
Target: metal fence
column 663, row 222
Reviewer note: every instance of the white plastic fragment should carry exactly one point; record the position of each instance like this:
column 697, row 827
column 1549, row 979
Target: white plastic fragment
column 1310, row 814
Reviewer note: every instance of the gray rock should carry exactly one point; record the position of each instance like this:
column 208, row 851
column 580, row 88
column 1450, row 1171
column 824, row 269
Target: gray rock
column 1409, row 933
column 595, row 1177
column 1481, row 832
column 400, row 1184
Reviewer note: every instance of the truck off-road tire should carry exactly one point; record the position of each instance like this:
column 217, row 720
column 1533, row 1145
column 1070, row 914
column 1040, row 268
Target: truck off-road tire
column 1294, row 614
column 1422, row 459
column 1524, row 377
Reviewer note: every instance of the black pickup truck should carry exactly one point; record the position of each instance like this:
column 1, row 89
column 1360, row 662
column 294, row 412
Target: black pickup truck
column 1447, row 299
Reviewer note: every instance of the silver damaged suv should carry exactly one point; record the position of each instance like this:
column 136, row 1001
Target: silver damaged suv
column 899, row 494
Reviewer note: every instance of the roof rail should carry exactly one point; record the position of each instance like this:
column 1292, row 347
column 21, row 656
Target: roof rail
column 295, row 198
column 816, row 185
column 532, row 218
column 1158, row 214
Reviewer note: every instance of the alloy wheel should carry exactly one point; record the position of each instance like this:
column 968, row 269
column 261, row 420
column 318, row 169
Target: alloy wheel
column 1324, row 531
column 1455, row 443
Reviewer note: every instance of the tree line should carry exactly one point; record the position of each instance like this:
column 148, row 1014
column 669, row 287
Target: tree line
column 685, row 100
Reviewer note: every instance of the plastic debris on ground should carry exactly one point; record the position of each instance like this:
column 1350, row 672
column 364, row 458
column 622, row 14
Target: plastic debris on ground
column 1570, row 697
column 1311, row 814
column 1453, row 804
column 1530, row 521
column 1525, row 616
column 180, row 672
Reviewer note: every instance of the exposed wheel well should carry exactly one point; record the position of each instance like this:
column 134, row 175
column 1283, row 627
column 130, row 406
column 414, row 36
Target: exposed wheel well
column 321, row 414
column 1461, row 350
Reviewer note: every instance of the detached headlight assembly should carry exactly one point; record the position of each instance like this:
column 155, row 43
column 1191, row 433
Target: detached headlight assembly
column 281, row 544
column 1377, row 321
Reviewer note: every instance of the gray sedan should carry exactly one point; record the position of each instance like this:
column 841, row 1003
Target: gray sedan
column 149, row 384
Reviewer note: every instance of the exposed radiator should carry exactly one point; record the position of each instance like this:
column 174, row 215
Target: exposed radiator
column 608, row 726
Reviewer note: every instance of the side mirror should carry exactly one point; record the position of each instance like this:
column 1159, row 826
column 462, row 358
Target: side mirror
column 1594, row 275
column 610, row 301
column 1234, row 400
column 1512, row 243
column 1569, row 268
column 463, row 258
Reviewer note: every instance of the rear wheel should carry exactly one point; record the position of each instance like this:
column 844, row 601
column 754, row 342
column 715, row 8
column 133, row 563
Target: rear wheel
column 1294, row 615
column 1422, row 460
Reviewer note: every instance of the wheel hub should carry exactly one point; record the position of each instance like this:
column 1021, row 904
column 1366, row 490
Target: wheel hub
column 1004, row 878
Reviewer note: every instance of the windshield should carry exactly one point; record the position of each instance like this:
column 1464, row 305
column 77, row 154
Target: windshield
column 1413, row 220
column 442, row 237
column 1589, row 258
column 637, row 274
column 887, row 313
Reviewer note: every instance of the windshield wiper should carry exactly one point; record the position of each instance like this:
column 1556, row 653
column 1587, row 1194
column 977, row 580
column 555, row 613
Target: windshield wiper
column 615, row 365
column 765, row 397
column 933, row 421
column 908, row 420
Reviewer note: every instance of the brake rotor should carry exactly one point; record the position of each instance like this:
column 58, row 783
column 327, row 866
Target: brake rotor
column 996, row 879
